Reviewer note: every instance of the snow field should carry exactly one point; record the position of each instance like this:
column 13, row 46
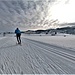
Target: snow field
column 58, row 40
column 35, row 57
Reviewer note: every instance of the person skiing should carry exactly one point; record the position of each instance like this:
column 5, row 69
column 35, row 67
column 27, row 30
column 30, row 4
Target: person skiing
column 18, row 35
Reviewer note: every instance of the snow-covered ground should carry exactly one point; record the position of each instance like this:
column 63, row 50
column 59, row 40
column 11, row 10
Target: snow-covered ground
column 37, row 55
column 58, row 40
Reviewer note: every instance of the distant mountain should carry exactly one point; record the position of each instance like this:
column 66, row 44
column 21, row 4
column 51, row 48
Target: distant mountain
column 68, row 24
column 67, row 30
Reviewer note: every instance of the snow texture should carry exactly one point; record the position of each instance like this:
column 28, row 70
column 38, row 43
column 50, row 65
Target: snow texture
column 35, row 57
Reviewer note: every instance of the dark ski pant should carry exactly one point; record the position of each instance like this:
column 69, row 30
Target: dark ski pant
column 18, row 36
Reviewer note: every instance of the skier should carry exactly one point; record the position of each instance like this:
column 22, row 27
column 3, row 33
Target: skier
column 18, row 35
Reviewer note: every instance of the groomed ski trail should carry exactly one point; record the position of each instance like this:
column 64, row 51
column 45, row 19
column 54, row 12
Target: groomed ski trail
column 34, row 57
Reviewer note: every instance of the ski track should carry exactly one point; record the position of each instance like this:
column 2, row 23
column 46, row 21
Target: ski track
column 34, row 57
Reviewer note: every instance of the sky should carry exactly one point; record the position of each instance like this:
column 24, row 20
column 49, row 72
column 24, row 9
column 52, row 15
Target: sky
column 35, row 14
column 64, row 11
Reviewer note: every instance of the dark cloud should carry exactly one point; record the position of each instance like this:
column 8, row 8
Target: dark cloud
column 24, row 13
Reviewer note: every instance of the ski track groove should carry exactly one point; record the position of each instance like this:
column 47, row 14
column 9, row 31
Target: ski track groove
column 47, row 64
column 38, row 58
column 46, row 49
column 64, row 54
column 34, row 57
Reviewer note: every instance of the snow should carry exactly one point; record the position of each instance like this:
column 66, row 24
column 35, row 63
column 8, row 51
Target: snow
column 58, row 40
column 37, row 55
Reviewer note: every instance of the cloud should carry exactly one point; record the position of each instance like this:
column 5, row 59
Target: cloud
column 67, row 1
column 26, row 13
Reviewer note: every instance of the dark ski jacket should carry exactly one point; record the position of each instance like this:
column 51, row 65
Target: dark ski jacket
column 17, row 31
